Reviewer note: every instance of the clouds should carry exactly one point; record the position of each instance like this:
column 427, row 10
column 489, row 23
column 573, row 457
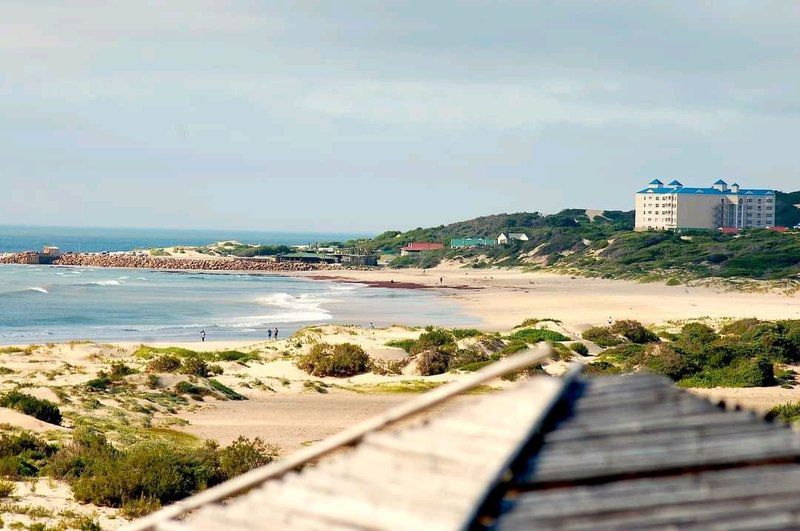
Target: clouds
column 333, row 101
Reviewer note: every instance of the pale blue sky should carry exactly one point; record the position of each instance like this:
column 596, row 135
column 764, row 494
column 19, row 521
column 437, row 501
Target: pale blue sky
column 349, row 115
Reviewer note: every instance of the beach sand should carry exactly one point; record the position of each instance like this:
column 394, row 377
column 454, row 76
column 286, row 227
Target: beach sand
column 502, row 298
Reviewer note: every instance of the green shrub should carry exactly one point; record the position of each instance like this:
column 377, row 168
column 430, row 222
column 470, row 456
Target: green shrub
column 579, row 348
column 465, row 357
column 194, row 366
column 165, row 363
column 149, row 473
column 226, row 391
column 601, row 368
column 341, row 360
column 513, row 346
column 432, row 361
column 436, row 339
column 193, row 390
column 139, row 507
column 601, row 336
column 7, row 488
column 235, row 355
column 786, row 412
column 243, row 455
column 743, row 373
column 739, row 327
column 101, row 383
column 23, row 454
column 119, row 370
column 405, row 344
column 534, row 321
column 633, row 331
column 535, row 335
column 461, row 333
column 43, row 410
column 216, row 369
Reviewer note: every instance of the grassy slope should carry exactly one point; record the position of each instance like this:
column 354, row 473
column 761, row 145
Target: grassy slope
column 608, row 247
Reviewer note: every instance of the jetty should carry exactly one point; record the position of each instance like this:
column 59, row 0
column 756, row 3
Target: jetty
column 616, row 452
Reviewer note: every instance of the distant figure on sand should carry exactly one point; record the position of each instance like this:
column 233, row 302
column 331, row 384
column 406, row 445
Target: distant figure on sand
column 202, row 336
column 269, row 333
column 609, row 320
column 441, row 280
column 275, row 333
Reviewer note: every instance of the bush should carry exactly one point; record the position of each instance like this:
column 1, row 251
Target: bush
column 461, row 333
column 194, row 366
column 165, row 363
column 601, row 368
column 150, row 473
column 432, row 361
column 405, row 344
column 101, row 383
column 579, row 348
column 633, row 331
column 786, row 412
column 436, row 339
column 466, row 357
column 513, row 347
column 243, row 455
column 226, row 391
column 139, row 507
column 193, row 390
column 43, row 410
column 23, row 454
column 744, row 373
column 739, row 327
column 601, row 336
column 119, row 370
column 341, row 360
column 535, row 335
column 7, row 488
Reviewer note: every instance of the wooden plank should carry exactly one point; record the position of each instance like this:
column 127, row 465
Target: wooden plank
column 349, row 436
column 628, row 495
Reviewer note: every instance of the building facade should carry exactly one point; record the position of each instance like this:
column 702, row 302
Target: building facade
column 674, row 206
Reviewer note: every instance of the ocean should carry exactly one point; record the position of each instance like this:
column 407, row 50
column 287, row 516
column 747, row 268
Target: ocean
column 90, row 240
column 52, row 303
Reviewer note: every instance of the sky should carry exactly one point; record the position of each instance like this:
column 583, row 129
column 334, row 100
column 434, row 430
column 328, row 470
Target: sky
column 366, row 116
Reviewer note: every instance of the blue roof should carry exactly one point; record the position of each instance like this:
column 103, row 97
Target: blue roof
column 720, row 181
column 704, row 191
column 675, row 182
column 655, row 181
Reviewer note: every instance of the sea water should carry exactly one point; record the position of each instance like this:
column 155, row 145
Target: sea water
column 53, row 303
column 89, row 240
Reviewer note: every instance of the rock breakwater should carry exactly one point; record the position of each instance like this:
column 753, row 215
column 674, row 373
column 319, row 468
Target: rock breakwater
column 138, row 261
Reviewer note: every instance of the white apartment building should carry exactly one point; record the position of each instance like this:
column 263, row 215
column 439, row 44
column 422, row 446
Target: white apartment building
column 674, row 206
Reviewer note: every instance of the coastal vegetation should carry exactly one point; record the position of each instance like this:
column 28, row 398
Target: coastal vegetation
column 576, row 242
column 743, row 353
column 43, row 410
column 340, row 360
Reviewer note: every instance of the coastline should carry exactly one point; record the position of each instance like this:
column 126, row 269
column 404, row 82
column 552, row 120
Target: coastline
column 503, row 298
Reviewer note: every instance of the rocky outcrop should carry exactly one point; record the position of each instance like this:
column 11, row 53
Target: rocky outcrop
column 132, row 260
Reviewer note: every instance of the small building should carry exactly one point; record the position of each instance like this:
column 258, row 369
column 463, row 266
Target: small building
column 456, row 243
column 307, row 258
column 420, row 247
column 359, row 259
column 512, row 236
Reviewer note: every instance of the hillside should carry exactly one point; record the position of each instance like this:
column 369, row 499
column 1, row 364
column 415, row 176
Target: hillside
column 606, row 246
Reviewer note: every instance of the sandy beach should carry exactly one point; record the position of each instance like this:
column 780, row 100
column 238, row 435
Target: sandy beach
column 502, row 298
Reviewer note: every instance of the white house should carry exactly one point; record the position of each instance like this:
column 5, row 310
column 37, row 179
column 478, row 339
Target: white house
column 512, row 236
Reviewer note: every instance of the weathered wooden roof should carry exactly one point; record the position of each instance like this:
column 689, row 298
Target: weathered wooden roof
column 616, row 452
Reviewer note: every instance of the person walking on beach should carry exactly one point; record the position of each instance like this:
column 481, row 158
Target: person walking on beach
column 269, row 333
column 275, row 333
column 202, row 336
